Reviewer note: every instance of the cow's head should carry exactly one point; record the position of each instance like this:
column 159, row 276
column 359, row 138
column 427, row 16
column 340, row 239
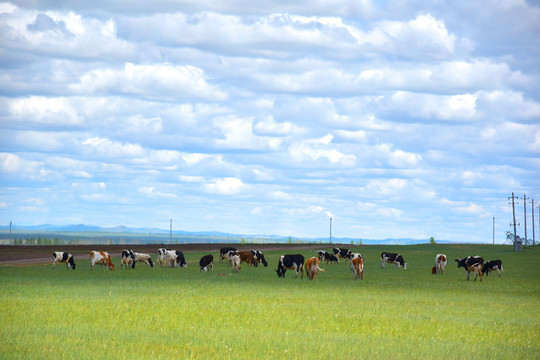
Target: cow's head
column 460, row 262
column 111, row 266
column 280, row 271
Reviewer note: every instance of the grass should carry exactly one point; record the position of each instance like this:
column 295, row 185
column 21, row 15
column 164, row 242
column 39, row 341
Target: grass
column 184, row 313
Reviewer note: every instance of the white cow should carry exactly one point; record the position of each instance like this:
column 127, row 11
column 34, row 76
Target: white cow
column 63, row 257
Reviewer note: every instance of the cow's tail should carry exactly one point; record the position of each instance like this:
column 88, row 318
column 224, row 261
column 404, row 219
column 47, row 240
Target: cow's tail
column 320, row 268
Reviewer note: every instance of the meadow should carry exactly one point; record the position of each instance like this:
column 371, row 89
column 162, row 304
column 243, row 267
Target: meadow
column 183, row 313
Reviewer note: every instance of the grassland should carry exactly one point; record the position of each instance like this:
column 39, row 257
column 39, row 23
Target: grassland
column 184, row 313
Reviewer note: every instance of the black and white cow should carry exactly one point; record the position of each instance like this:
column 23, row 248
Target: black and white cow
column 175, row 258
column 290, row 262
column 63, row 257
column 471, row 264
column 392, row 258
column 223, row 252
column 341, row 253
column 326, row 256
column 206, row 261
column 492, row 265
column 351, row 256
column 145, row 258
column 127, row 259
column 162, row 256
column 259, row 257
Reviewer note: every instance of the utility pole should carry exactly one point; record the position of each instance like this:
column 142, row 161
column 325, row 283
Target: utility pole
column 525, row 216
column 10, row 232
column 532, row 206
column 170, row 241
column 514, row 220
column 330, row 229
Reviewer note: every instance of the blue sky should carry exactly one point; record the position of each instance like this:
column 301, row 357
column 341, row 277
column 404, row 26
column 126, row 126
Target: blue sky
column 396, row 119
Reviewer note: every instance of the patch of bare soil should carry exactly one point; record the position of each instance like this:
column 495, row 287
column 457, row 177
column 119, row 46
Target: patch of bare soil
column 39, row 254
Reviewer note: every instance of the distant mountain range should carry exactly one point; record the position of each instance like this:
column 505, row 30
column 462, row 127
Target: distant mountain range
column 155, row 234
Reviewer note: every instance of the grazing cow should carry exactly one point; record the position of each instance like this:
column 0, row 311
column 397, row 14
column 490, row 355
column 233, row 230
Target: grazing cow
column 205, row 262
column 247, row 257
column 491, row 265
column 128, row 259
column 175, row 258
column 471, row 264
column 357, row 268
column 235, row 262
column 393, row 259
column 223, row 252
column 102, row 258
column 326, row 256
column 141, row 257
column 259, row 257
column 290, row 262
column 312, row 268
column 63, row 257
column 440, row 263
column 162, row 256
column 351, row 256
column 341, row 253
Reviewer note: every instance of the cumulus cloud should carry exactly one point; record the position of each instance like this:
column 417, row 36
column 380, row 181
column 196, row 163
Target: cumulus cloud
column 226, row 186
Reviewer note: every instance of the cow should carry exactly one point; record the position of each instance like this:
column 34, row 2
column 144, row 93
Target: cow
column 127, row 259
column 102, row 258
column 247, row 257
column 63, row 257
column 175, row 258
column 471, row 264
column 491, row 265
column 340, row 253
column 290, row 262
column 326, row 256
column 393, row 259
column 259, row 257
column 357, row 268
column 235, row 262
column 145, row 258
column 312, row 267
column 223, row 252
column 162, row 257
column 351, row 256
column 205, row 262
column 440, row 263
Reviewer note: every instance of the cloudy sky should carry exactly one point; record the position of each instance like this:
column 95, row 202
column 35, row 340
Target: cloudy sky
column 396, row 119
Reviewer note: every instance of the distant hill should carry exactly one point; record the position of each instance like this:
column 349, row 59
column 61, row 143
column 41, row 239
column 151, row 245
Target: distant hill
column 122, row 234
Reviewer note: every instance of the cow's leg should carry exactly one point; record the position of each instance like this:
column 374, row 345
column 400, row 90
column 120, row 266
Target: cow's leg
column 382, row 263
column 468, row 274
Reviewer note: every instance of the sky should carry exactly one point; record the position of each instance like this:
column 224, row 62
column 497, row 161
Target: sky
column 394, row 119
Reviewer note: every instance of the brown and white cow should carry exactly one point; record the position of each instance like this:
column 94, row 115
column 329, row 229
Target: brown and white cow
column 440, row 263
column 357, row 268
column 102, row 258
column 312, row 267
column 247, row 257
column 63, row 257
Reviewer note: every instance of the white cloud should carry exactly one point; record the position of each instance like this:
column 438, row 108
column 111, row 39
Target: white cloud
column 226, row 186
column 320, row 148
column 162, row 80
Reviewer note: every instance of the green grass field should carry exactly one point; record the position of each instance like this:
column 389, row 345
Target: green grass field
column 185, row 314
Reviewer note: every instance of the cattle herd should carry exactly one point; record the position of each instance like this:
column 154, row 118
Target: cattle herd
column 296, row 262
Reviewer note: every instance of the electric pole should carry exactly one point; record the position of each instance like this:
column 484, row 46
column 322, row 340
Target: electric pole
column 525, row 216
column 170, row 241
column 9, row 232
column 514, row 220
column 532, row 206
